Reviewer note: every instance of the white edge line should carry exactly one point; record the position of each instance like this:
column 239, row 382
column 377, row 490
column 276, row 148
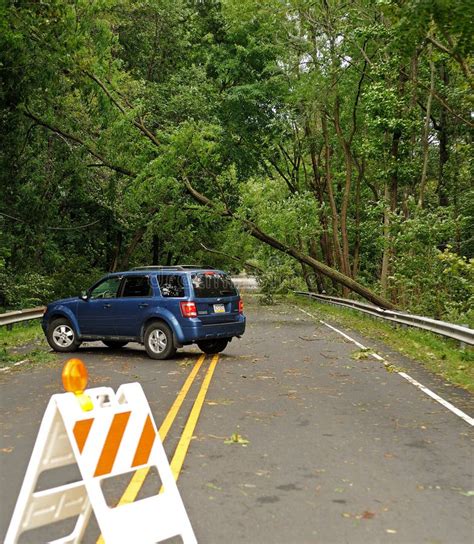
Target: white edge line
column 407, row 377
column 439, row 399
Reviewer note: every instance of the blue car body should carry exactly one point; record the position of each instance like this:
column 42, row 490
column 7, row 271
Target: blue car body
column 125, row 318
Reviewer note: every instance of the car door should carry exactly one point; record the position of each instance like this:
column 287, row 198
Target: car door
column 130, row 308
column 95, row 315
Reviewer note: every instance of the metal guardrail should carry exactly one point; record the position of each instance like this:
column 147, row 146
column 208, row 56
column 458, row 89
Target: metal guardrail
column 18, row 316
column 456, row 332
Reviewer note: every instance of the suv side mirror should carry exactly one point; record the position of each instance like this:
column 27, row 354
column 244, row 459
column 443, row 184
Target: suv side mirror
column 84, row 295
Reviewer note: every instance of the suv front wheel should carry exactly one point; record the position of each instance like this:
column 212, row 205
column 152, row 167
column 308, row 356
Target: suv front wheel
column 158, row 341
column 61, row 336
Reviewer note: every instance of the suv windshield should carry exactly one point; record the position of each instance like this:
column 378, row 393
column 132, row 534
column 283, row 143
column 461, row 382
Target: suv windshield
column 212, row 284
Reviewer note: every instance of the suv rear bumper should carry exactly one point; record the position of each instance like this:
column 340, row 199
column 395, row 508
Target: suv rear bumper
column 198, row 331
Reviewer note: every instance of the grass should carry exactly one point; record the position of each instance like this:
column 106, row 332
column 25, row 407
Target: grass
column 439, row 355
column 24, row 343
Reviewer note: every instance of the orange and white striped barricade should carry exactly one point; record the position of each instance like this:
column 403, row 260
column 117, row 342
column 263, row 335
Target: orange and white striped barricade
column 117, row 436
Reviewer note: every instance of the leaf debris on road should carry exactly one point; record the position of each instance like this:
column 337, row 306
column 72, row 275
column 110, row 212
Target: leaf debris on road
column 237, row 439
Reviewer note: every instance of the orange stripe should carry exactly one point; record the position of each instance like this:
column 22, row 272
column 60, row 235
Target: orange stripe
column 112, row 444
column 145, row 444
column 81, row 432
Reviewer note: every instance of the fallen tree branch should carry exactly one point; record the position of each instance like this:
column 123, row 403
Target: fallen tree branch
column 138, row 124
column 223, row 211
column 75, row 139
column 316, row 265
column 78, row 227
column 241, row 261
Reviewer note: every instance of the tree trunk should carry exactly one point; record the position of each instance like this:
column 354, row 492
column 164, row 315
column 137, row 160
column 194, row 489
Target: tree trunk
column 155, row 250
column 390, row 201
column 348, row 162
column 136, row 239
column 318, row 190
column 117, row 251
column 356, row 259
column 426, row 133
column 443, row 145
column 386, row 241
column 309, row 278
column 332, row 201
column 319, row 278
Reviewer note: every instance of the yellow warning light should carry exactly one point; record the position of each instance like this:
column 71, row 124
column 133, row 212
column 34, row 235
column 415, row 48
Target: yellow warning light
column 75, row 381
column 74, row 376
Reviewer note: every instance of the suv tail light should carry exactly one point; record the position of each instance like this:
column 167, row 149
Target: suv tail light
column 241, row 306
column 188, row 309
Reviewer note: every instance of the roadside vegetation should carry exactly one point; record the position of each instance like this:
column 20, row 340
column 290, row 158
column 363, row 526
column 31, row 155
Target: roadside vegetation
column 329, row 143
column 442, row 356
column 24, row 345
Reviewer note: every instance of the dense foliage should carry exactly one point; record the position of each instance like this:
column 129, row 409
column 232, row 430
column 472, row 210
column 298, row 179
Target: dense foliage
column 326, row 143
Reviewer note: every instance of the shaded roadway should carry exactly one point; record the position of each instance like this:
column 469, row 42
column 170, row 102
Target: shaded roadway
column 339, row 450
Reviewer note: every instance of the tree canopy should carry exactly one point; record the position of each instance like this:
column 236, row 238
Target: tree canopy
column 322, row 143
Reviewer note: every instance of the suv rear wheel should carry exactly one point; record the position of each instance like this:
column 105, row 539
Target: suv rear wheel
column 61, row 336
column 158, row 341
column 213, row 346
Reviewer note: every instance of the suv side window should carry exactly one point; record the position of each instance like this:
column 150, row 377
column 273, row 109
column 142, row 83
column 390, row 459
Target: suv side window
column 106, row 289
column 171, row 285
column 136, row 286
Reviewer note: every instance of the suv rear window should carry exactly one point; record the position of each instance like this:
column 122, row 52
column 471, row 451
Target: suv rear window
column 171, row 285
column 212, row 284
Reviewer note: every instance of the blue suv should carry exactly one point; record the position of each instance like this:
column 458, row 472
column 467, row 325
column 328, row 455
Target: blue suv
column 163, row 308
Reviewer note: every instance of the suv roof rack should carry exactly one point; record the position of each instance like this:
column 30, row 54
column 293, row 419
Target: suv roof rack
column 177, row 267
column 196, row 267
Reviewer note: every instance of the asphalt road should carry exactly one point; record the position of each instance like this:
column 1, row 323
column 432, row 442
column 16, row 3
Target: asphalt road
column 339, row 450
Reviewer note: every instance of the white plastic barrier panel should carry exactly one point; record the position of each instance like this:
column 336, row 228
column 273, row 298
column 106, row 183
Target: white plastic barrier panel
column 116, row 435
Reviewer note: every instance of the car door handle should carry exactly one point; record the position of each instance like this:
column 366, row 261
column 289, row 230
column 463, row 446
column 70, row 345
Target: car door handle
column 144, row 305
column 107, row 305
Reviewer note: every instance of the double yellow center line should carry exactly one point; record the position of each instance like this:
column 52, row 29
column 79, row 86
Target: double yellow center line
column 183, row 444
column 177, row 461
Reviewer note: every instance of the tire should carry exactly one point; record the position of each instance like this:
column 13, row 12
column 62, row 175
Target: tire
column 115, row 344
column 61, row 336
column 158, row 340
column 213, row 346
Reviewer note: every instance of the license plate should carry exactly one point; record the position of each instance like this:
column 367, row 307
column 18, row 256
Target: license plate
column 219, row 309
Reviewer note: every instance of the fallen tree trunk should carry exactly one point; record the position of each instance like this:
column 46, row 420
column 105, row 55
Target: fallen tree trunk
column 316, row 265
